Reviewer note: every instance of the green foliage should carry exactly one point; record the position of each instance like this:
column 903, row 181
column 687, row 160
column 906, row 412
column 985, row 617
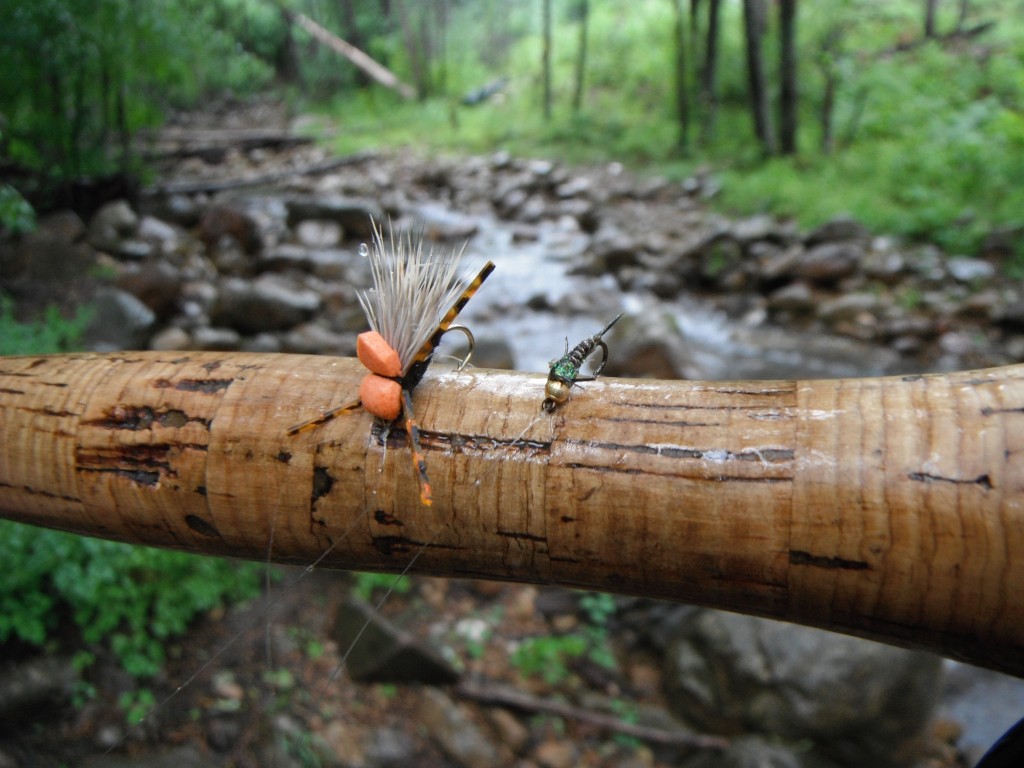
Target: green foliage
column 16, row 215
column 49, row 334
column 368, row 583
column 134, row 599
column 550, row 656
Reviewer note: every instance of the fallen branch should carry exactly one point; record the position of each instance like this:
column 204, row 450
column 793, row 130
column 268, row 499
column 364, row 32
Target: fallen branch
column 508, row 697
column 220, row 184
column 891, row 508
column 378, row 72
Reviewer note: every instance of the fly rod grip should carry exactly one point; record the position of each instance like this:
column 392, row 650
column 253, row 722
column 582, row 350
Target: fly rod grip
column 890, row 508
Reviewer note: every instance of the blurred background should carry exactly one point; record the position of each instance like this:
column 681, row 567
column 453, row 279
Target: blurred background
column 766, row 189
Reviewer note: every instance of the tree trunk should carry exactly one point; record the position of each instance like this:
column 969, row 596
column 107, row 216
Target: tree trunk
column 891, row 508
column 681, row 85
column 546, row 58
column 709, row 74
column 753, row 20
column 930, row 9
column 788, row 95
column 581, row 55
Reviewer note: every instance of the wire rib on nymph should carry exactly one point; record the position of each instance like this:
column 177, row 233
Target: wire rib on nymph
column 406, row 310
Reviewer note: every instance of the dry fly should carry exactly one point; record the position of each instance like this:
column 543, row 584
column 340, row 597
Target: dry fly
column 415, row 298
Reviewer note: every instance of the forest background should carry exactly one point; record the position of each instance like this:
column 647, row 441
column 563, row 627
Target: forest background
column 907, row 115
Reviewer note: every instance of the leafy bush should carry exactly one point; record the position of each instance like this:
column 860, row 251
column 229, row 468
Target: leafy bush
column 52, row 333
column 133, row 598
column 130, row 599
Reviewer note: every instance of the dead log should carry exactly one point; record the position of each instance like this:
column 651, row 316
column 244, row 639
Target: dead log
column 377, row 71
column 270, row 178
column 890, row 508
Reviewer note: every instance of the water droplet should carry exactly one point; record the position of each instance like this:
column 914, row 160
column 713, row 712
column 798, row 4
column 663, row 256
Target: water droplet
column 363, row 250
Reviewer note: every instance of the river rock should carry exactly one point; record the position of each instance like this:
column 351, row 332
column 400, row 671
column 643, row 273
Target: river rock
column 839, row 229
column 156, row 284
column 354, row 215
column 113, row 223
column 438, row 222
column 753, row 752
column 216, row 339
column 856, row 702
column 458, row 735
column 39, row 685
column 317, row 233
column 326, row 263
column 268, row 303
column 54, row 253
column 970, row 270
column 384, row 653
column 851, row 306
column 313, row 339
column 829, row 263
column 119, row 321
column 794, row 299
column 172, row 338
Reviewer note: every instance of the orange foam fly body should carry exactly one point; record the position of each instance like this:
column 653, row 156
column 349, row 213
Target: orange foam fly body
column 381, row 396
column 377, row 355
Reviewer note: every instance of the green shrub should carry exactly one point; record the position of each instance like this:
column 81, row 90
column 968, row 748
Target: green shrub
column 133, row 599
column 49, row 334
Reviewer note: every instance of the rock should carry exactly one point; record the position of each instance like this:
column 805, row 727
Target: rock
column 62, row 225
column 216, row 339
column 120, row 321
column 353, row 215
column 612, row 249
column 316, row 233
column 171, row 339
column 177, row 757
column 389, row 748
column 159, row 234
column 556, row 753
column 795, row 298
column 313, row 339
column 54, row 253
column 459, row 737
column 261, row 342
column 839, row 229
column 762, row 227
column 385, row 653
column 38, row 685
column 754, row 752
column 1009, row 313
column 722, row 262
column 648, row 349
column 886, row 266
column 156, row 284
column 268, row 303
column 177, row 209
column 829, row 263
column 781, row 264
column 851, row 306
column 437, row 222
column 326, row 263
column 857, row 702
column 228, row 222
column 492, row 352
column 114, row 222
column 970, row 270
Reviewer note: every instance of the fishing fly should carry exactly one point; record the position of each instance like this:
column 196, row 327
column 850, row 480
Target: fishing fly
column 407, row 317
column 565, row 372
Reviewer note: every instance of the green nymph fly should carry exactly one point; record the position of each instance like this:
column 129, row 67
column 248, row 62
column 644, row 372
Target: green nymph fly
column 566, row 370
